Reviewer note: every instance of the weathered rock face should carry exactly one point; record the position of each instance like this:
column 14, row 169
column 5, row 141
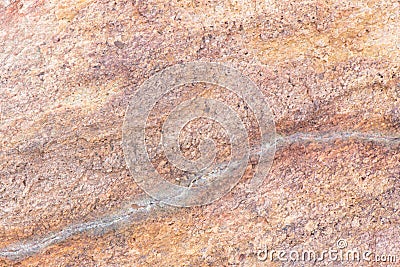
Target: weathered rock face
column 330, row 71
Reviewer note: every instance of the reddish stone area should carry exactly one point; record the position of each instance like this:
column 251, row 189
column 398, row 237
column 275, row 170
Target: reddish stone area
column 68, row 69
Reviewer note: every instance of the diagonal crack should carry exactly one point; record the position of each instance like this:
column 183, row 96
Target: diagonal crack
column 144, row 206
column 329, row 137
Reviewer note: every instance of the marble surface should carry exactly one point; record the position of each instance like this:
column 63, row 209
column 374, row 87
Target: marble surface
column 68, row 69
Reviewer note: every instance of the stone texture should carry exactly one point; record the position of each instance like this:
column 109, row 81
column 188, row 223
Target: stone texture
column 329, row 69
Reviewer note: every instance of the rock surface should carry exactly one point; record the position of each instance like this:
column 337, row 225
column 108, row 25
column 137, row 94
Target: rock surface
column 330, row 72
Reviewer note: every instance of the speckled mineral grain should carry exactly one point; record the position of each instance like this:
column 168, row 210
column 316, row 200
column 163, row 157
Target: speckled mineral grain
column 68, row 69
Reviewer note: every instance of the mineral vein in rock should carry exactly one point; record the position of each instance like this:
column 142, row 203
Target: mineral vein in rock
column 148, row 207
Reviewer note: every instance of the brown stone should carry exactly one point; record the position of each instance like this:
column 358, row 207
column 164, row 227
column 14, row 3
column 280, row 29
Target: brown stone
column 330, row 72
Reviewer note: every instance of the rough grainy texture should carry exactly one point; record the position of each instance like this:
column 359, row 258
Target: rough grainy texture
column 329, row 69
